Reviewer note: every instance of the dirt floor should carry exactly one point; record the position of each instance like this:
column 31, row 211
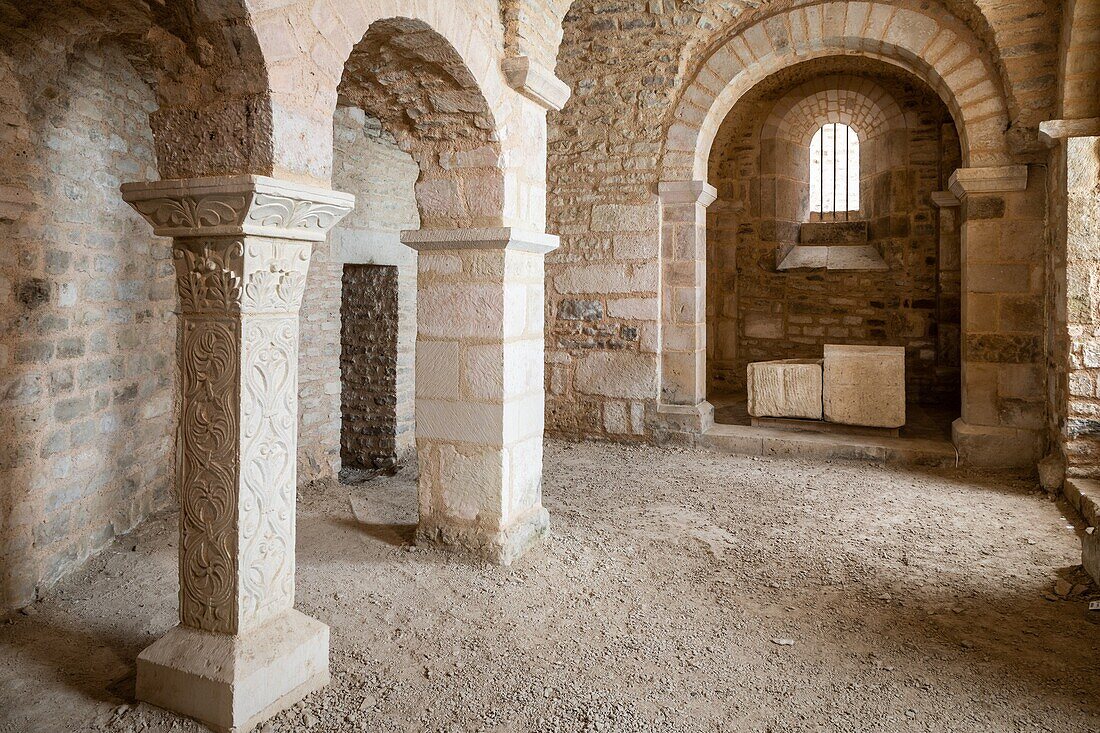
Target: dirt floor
column 680, row 591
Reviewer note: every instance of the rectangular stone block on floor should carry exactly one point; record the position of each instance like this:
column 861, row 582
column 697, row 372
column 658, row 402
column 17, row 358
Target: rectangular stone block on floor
column 785, row 388
column 865, row 385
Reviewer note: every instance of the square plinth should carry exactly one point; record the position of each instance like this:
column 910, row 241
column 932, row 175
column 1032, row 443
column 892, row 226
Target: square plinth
column 865, row 385
column 785, row 388
column 233, row 682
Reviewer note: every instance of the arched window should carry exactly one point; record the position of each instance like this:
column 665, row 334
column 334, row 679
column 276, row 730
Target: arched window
column 834, row 170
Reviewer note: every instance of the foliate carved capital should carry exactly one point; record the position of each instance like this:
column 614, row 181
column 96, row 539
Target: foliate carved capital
column 238, row 206
column 226, row 275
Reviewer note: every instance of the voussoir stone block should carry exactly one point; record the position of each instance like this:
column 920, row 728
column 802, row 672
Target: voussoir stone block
column 785, row 388
column 865, row 385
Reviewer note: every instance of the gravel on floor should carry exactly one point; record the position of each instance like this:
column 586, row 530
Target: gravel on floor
column 680, row 590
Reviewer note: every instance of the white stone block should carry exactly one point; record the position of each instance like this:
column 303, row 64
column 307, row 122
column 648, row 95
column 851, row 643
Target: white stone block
column 785, row 388
column 865, row 385
column 231, row 682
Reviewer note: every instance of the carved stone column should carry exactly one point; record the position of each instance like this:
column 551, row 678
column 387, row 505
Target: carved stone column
column 241, row 653
column 683, row 402
column 479, row 388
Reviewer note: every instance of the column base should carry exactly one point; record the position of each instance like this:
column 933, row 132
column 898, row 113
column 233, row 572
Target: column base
column 993, row 446
column 233, row 682
column 696, row 419
column 501, row 547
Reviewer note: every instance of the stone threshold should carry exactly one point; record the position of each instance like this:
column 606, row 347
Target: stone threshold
column 884, row 451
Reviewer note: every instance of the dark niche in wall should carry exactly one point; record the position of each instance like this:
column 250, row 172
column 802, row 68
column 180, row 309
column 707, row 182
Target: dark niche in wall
column 368, row 368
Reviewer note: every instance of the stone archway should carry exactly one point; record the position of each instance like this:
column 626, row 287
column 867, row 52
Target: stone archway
column 243, row 245
column 998, row 426
column 784, row 278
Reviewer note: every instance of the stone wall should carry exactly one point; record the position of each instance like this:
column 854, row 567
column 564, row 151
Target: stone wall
column 757, row 313
column 367, row 163
column 87, row 331
column 368, row 365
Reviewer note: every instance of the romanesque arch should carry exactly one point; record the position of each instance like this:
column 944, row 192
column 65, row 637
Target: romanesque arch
column 251, row 249
column 946, row 56
column 940, row 51
column 1080, row 77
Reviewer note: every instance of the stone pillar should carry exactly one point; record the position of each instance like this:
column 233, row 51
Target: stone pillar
column 479, row 388
column 1075, row 317
column 1075, row 224
column 683, row 402
column 242, row 244
column 1003, row 393
column 948, row 285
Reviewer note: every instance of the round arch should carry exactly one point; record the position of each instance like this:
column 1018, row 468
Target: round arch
column 1080, row 77
column 307, row 50
column 941, row 52
column 859, row 103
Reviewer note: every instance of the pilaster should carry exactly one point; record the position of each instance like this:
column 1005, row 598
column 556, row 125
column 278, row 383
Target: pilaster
column 480, row 388
column 1003, row 380
column 1075, row 284
column 241, row 250
column 683, row 406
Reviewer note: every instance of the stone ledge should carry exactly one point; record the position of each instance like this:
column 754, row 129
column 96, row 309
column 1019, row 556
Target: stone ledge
column 672, row 193
column 1051, row 131
column 490, row 238
column 997, row 179
column 833, row 257
column 1084, row 494
column 536, row 82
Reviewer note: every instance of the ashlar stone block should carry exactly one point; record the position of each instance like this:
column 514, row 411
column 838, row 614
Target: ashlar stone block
column 865, row 385
column 785, row 388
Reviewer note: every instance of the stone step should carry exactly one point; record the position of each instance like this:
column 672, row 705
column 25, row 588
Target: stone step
column 1084, row 495
column 884, row 451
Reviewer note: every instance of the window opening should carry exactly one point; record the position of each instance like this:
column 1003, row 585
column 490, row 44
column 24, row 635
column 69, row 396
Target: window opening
column 834, row 170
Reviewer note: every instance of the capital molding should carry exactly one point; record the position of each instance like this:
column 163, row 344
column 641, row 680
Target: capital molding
column 944, row 200
column 687, row 192
column 996, row 179
column 535, row 81
column 503, row 238
column 237, row 206
column 1051, row 131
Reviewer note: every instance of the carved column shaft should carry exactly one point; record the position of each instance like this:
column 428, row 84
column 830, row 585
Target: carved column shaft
column 239, row 301
column 242, row 249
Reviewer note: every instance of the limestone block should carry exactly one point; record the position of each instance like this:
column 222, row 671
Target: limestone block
column 865, row 385
column 625, row 375
column 785, row 388
column 231, row 682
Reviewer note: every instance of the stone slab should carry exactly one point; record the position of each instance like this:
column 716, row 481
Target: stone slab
column 233, row 682
column 820, row 426
column 789, row 388
column 865, row 385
